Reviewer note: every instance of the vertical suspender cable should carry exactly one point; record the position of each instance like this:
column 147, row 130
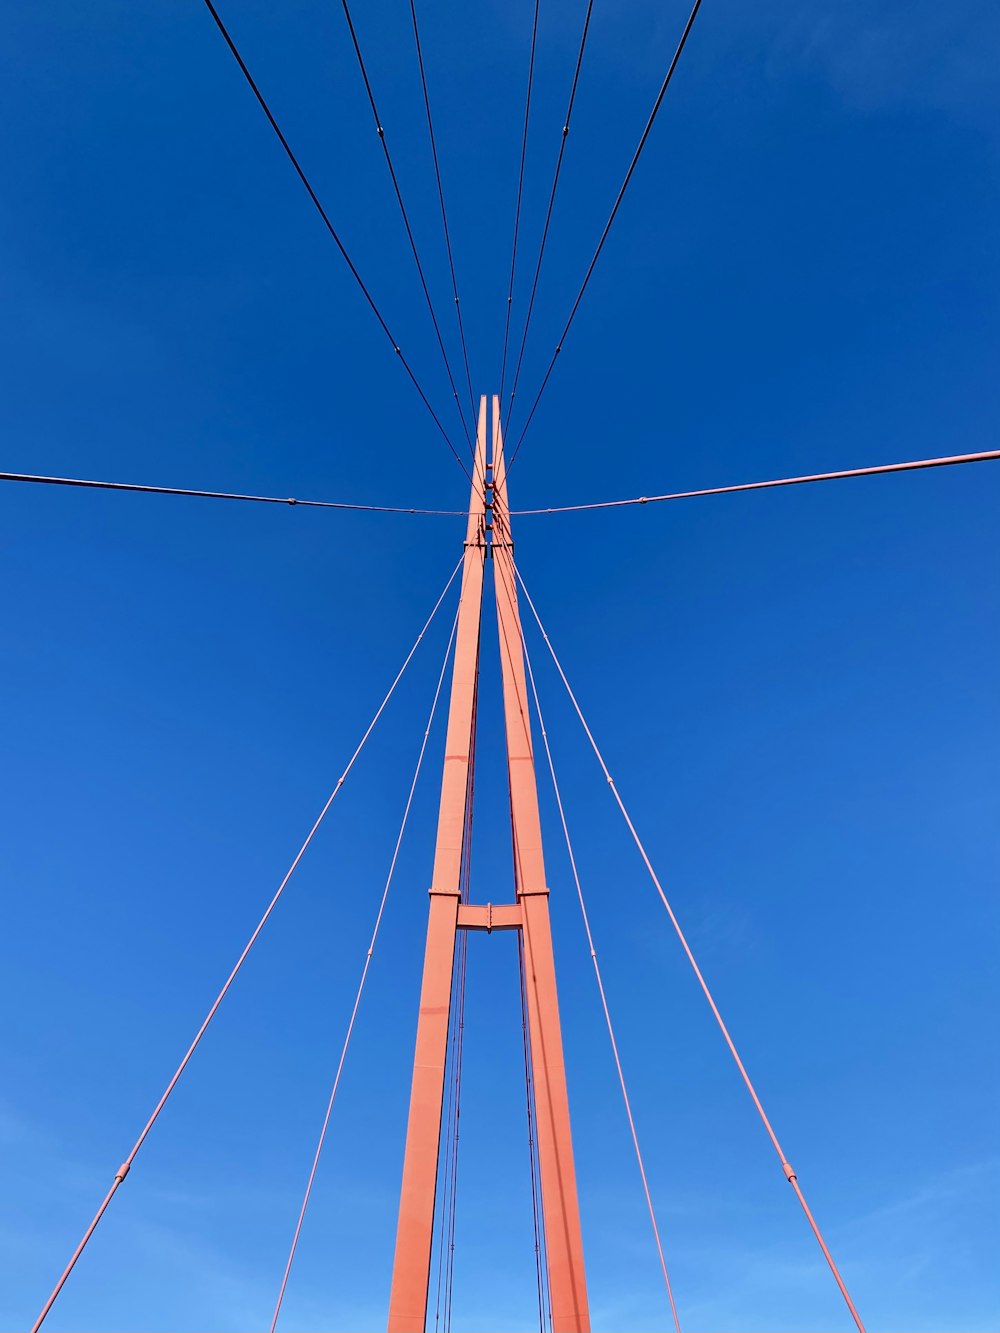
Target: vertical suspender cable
column 785, row 1164
column 126, row 1166
column 364, row 976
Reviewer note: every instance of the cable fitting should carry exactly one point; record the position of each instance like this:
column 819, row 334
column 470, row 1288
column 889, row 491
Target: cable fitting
column 122, row 1172
column 381, row 131
column 292, row 500
column 789, row 1173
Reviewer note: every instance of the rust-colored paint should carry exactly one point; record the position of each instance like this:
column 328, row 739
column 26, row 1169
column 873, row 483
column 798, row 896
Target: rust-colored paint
column 560, row 1206
column 414, row 1233
column 529, row 914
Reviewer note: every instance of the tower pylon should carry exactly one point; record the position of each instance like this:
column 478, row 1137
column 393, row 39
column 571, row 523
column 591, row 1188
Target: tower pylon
column 488, row 535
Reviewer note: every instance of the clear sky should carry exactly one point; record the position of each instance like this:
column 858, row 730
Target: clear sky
column 796, row 690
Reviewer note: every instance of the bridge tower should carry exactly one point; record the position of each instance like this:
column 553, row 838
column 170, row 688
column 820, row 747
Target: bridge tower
column 488, row 537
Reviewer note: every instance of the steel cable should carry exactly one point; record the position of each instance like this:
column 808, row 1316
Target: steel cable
column 953, row 460
column 786, row 1166
column 331, row 229
column 607, row 227
column 224, row 495
column 548, row 211
column 440, row 191
column 364, row 975
column 126, row 1165
column 600, row 986
column 380, row 130
column 517, row 207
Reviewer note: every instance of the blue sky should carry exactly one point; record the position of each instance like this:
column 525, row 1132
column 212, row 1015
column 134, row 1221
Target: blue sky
column 796, row 691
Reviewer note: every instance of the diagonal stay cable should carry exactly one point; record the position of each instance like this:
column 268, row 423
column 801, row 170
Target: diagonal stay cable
column 364, row 973
column 126, row 1165
column 380, row 130
column 786, row 1166
column 440, row 191
column 952, row 460
column 331, row 229
column 548, row 212
column 94, row 485
column 520, row 193
column 607, row 227
column 600, row 986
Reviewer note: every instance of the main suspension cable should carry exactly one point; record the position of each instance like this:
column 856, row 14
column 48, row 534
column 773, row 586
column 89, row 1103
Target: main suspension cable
column 600, row 986
column 444, row 214
column 607, row 227
column 406, row 220
column 93, row 485
column 786, row 1167
column 332, row 230
column 914, row 466
column 520, row 192
column 364, row 974
column 126, row 1166
column 548, row 212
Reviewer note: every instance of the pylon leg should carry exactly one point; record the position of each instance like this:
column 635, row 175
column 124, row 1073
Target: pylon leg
column 560, row 1205
column 414, row 1235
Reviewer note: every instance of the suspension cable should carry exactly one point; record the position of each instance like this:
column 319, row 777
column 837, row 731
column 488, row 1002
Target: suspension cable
column 786, row 1166
column 600, row 987
column 93, row 485
column 379, row 129
column 126, row 1165
column 614, row 211
column 520, row 191
column 364, row 974
column 332, row 230
column 444, row 214
column 950, row 461
column 548, row 211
